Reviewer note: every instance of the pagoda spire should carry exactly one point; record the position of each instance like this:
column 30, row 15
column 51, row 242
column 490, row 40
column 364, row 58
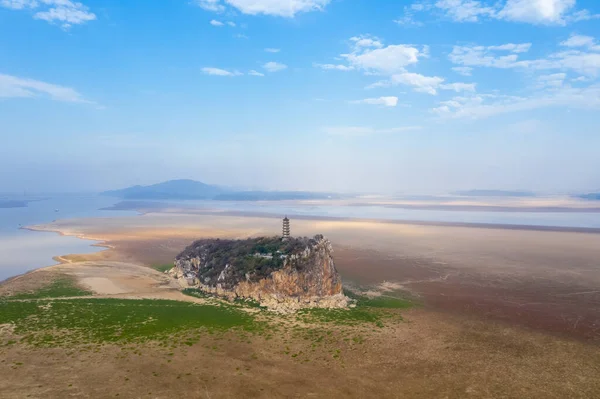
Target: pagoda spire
column 286, row 228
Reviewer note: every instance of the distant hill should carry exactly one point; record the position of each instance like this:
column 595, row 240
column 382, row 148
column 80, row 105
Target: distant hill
column 591, row 196
column 494, row 193
column 194, row 190
column 172, row 189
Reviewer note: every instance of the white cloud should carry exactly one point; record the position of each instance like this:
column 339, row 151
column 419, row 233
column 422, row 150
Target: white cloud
column 13, row 87
column 459, row 87
column 272, row 50
column 551, row 81
column 582, row 15
column 581, row 79
column 584, row 62
column 512, row 47
column 274, row 66
column 537, row 11
column 408, row 18
column 547, row 12
column 371, row 56
column 19, row 4
column 241, row 36
column 478, row 107
column 464, row 10
column 366, row 41
column 280, row 8
column 420, row 83
column 357, row 131
column 465, row 71
column 581, row 41
column 219, row 72
column 388, row 59
column 210, row 5
column 255, row 73
column 338, row 67
column 215, row 22
column 64, row 12
column 423, row 84
column 385, row 101
column 486, row 56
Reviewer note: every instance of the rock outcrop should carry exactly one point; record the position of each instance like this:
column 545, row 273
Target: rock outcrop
column 283, row 275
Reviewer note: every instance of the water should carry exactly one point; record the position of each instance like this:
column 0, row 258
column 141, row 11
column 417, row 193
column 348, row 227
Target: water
column 24, row 250
column 539, row 219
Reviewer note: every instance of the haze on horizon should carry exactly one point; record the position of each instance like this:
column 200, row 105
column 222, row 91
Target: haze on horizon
column 337, row 96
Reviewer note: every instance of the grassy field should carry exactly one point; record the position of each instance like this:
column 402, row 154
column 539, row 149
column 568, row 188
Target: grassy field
column 52, row 317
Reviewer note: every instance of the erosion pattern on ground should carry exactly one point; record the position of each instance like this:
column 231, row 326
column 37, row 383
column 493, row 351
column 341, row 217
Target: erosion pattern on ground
column 291, row 273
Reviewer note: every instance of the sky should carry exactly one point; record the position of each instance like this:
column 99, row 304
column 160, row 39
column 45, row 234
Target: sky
column 374, row 96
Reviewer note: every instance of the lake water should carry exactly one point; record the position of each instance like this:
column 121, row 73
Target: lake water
column 23, row 250
column 546, row 219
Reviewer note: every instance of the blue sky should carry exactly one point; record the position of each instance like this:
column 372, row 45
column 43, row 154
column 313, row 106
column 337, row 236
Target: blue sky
column 331, row 95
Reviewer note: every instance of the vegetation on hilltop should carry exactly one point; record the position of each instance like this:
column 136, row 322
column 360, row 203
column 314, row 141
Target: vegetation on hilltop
column 251, row 259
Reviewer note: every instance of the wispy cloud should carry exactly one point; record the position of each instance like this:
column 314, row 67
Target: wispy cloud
column 272, row 50
column 16, row 87
column 338, row 67
column 465, row 71
column 537, row 12
column 65, row 13
column 274, row 66
column 485, row 106
column 18, row 4
column 278, row 8
column 423, row 84
column 214, row 22
column 384, row 101
column 255, row 73
column 585, row 60
column 220, row 72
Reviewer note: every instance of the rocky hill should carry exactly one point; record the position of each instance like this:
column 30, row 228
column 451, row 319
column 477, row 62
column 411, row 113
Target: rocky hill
column 281, row 274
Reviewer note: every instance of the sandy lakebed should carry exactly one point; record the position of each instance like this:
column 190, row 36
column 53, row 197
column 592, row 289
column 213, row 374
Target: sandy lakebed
column 498, row 312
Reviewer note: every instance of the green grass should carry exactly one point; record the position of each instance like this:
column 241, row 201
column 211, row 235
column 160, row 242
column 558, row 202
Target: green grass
column 61, row 287
column 347, row 317
column 60, row 322
column 163, row 268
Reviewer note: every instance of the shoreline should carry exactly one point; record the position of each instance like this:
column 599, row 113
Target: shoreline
column 101, row 242
column 60, row 259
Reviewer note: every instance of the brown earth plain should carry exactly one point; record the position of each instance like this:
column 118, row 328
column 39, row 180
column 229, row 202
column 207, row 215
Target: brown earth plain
column 497, row 313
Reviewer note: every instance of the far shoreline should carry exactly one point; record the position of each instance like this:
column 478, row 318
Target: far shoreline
column 101, row 243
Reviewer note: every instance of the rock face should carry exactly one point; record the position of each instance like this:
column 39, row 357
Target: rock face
column 284, row 275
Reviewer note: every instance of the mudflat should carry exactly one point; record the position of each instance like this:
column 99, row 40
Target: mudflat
column 500, row 313
column 546, row 280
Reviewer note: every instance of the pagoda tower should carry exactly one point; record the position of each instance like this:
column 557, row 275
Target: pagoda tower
column 286, row 228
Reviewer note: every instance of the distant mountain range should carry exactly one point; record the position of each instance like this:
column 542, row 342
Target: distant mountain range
column 494, row 193
column 194, row 190
column 172, row 189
